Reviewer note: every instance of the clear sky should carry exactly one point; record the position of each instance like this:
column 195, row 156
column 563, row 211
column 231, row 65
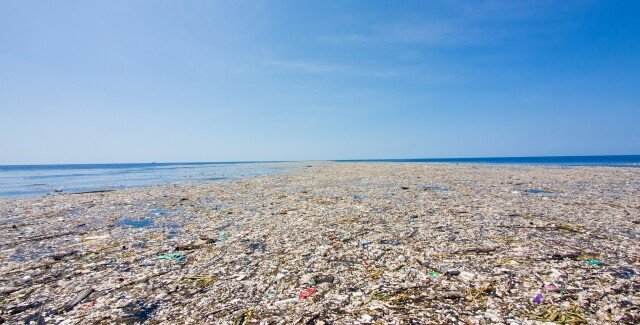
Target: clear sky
column 139, row 81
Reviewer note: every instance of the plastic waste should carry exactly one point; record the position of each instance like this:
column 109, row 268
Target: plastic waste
column 593, row 261
column 171, row 257
column 625, row 274
column 78, row 298
column 92, row 238
column 324, row 279
column 257, row 246
column 467, row 276
column 537, row 299
column 306, row 293
column 286, row 301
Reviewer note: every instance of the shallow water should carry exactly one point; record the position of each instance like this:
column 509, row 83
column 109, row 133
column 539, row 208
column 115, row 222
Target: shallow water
column 135, row 223
column 19, row 181
column 538, row 191
column 138, row 312
column 436, row 188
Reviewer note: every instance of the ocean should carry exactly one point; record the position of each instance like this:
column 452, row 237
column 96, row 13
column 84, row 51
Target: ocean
column 28, row 180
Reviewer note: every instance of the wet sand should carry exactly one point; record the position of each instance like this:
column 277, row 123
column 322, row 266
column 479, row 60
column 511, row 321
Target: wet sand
column 333, row 243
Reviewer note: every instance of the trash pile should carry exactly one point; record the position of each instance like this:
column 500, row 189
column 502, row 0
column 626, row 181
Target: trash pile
column 333, row 243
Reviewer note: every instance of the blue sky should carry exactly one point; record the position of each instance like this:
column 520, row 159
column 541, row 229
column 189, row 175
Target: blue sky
column 139, row 81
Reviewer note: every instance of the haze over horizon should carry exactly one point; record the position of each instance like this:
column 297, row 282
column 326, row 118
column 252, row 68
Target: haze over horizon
column 163, row 81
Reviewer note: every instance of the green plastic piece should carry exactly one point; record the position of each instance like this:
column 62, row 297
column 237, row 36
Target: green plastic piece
column 594, row 262
column 434, row 273
column 171, row 257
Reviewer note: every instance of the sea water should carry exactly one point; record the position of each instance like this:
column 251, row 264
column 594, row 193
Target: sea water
column 27, row 180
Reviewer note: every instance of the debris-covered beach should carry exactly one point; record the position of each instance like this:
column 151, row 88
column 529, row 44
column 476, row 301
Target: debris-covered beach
column 333, row 243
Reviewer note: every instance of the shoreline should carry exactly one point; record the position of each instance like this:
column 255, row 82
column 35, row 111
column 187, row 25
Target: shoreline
column 337, row 241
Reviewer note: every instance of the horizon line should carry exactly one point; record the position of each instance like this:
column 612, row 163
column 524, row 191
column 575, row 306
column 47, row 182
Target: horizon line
column 324, row 160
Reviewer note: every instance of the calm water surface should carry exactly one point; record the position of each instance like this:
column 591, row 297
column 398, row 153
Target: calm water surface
column 26, row 180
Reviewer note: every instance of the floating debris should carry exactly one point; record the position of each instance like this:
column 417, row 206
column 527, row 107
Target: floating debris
column 625, row 274
column 351, row 246
column 537, row 299
column 170, row 256
column 306, row 293
column 256, row 247
column 138, row 312
column 593, row 261
column 82, row 295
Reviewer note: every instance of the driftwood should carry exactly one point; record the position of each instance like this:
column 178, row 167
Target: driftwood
column 33, row 267
column 451, row 295
column 477, row 250
column 21, row 308
column 197, row 245
column 219, row 310
column 145, row 279
column 40, row 238
column 79, row 298
column 60, row 256
column 8, row 290
column 560, row 227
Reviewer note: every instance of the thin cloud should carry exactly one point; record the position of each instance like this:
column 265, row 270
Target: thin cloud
column 516, row 10
column 425, row 33
column 315, row 67
column 303, row 66
column 465, row 24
